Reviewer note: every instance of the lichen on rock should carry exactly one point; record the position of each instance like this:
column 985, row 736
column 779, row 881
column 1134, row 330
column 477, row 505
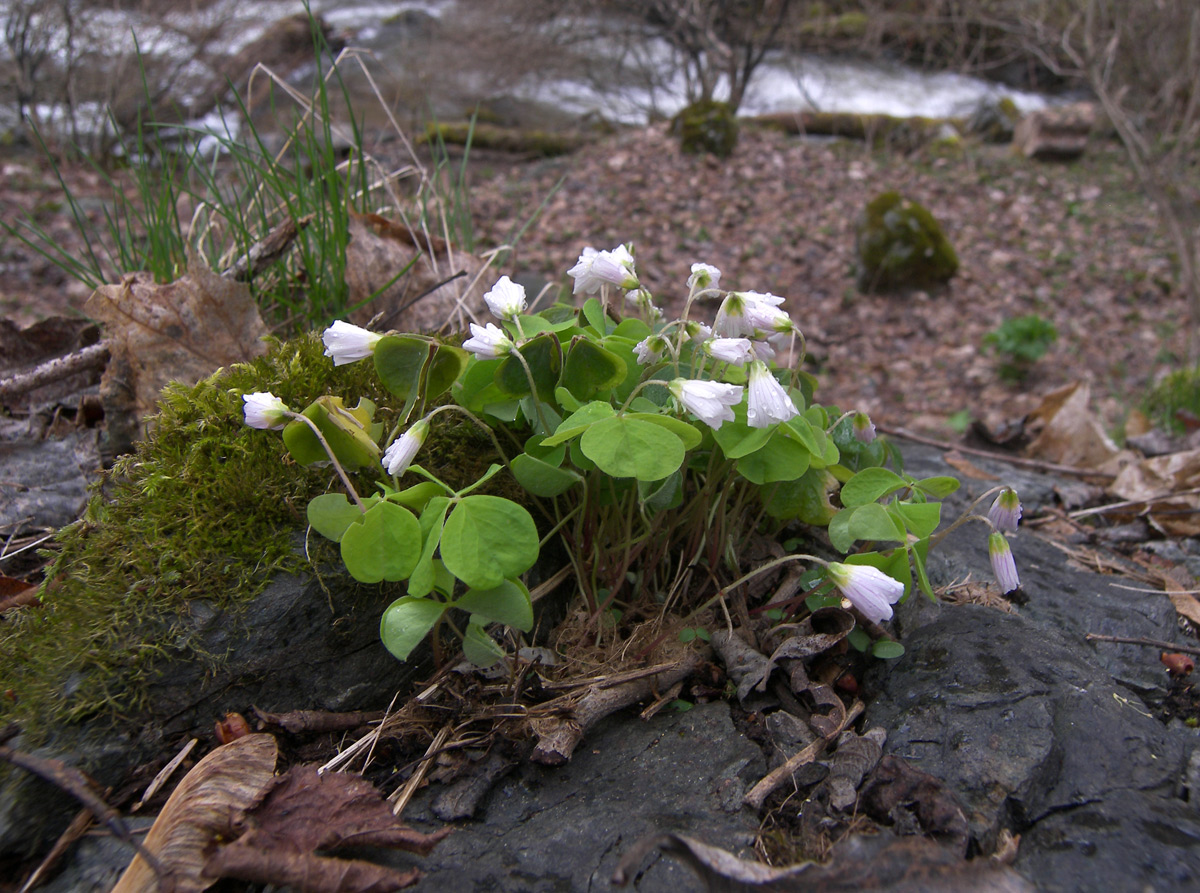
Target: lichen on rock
column 706, row 126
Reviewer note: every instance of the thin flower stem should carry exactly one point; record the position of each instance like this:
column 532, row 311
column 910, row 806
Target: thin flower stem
column 745, row 578
column 332, row 458
column 969, row 515
column 537, row 402
column 641, row 384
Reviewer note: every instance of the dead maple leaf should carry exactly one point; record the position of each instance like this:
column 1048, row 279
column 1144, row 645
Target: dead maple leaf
column 307, row 812
column 1071, row 434
column 181, row 331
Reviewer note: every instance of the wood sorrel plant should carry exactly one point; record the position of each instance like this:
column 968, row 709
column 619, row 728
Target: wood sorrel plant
column 655, row 450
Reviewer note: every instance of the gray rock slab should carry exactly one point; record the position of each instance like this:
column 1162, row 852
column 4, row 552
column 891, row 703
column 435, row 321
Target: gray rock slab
column 563, row 830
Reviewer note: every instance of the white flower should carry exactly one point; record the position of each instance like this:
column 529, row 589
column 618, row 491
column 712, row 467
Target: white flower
column 612, row 267
column 704, row 276
column 488, row 342
column 348, row 344
column 731, row 350
column 696, row 331
column 744, row 312
column 768, row 401
column 265, row 410
column 399, row 455
column 1005, row 511
column 869, row 589
column 1003, row 565
column 506, row 300
column 864, row 429
column 585, row 282
column 764, row 350
column 650, row 349
column 709, row 401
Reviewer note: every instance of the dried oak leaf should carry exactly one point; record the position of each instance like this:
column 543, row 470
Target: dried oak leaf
column 306, row 812
column 859, row 865
column 181, row 331
column 206, row 805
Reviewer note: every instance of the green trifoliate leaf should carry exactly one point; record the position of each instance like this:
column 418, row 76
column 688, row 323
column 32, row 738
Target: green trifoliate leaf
column 922, row 518
column 738, row 439
column 423, row 578
column 406, row 622
column 590, row 369
column 331, row 513
column 688, row 433
column 488, row 539
column 543, row 357
column 509, row 603
column 938, row 487
column 871, row 484
column 579, row 421
column 805, row 499
column 478, row 646
column 632, row 448
column 887, row 649
column 865, row 522
column 541, row 478
column 399, row 360
column 779, row 459
column 350, row 433
column 383, row 545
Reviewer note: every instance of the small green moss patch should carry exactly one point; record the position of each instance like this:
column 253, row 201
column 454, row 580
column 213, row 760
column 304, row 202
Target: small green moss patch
column 206, row 508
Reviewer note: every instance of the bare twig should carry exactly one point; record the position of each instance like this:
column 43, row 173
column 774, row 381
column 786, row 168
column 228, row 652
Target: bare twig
column 1035, row 464
column 94, row 356
column 1149, row 643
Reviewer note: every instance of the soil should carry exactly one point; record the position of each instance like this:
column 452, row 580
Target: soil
column 1074, row 242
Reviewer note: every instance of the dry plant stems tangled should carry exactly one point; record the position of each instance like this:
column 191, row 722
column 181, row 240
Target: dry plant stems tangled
column 657, row 452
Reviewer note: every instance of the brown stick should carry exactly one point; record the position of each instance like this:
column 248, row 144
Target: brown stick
column 1149, row 643
column 267, row 250
column 759, row 793
column 1035, row 464
column 91, row 357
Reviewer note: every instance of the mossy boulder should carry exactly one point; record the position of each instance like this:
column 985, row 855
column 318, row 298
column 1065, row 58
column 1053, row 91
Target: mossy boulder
column 995, row 120
column 899, row 244
column 189, row 588
column 706, row 126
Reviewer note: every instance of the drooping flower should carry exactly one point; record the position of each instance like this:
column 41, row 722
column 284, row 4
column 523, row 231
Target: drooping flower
column 506, row 300
column 596, row 268
column 399, row 455
column 864, row 428
column 704, row 276
column 488, row 342
column 749, row 314
column 650, row 349
column 869, row 589
column 1003, row 564
column 764, row 350
column 731, row 350
column 585, row 282
column 709, row 401
column 264, row 410
column 768, row 401
column 1005, row 511
column 348, row 343
column 696, row 331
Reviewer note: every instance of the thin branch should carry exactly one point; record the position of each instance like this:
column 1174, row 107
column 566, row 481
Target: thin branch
column 1149, row 643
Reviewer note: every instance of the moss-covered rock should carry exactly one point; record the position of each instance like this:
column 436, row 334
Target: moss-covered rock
column 994, row 120
column 898, row 243
column 706, row 126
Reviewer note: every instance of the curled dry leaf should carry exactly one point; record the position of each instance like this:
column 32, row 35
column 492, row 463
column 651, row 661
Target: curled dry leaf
column 895, row 785
column 205, row 806
column 231, row 728
column 1071, row 434
column 1177, row 664
column 858, row 865
column 856, row 755
column 747, row 667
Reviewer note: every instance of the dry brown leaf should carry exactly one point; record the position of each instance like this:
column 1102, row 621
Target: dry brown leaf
column 966, row 467
column 182, row 331
column 307, row 812
column 859, row 865
column 434, row 277
column 1071, row 434
column 1150, row 480
column 207, row 804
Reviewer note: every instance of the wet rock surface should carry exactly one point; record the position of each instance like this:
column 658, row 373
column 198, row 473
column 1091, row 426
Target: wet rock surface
column 1034, row 729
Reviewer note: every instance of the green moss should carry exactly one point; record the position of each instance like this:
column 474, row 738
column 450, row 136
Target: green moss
column 899, row 243
column 504, row 139
column 706, row 126
column 206, row 508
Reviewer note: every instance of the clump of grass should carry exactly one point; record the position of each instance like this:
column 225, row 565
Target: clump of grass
column 222, row 193
column 1020, row 342
column 1175, row 400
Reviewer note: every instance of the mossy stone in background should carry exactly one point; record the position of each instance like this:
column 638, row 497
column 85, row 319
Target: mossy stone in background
column 706, row 126
column 898, row 243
